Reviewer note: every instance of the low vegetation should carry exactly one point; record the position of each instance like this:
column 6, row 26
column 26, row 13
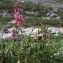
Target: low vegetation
column 31, row 50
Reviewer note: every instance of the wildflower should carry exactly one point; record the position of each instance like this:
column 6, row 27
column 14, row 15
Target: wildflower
column 17, row 15
column 17, row 8
column 17, row 19
column 22, row 20
column 13, row 34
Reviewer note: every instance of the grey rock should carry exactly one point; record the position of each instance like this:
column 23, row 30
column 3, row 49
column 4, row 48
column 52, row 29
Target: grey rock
column 4, row 30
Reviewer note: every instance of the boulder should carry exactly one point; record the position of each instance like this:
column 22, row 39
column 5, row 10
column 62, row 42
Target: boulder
column 4, row 30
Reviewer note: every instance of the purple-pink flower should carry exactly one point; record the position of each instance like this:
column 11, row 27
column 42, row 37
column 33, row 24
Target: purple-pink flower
column 13, row 34
column 17, row 8
column 17, row 18
column 22, row 20
column 17, row 15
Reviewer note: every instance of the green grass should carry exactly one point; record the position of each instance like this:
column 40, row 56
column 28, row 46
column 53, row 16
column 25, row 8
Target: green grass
column 60, row 1
column 34, row 21
column 32, row 51
column 5, row 19
column 37, row 21
column 6, row 1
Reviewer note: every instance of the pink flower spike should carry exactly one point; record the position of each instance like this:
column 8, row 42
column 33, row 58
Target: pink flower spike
column 23, row 21
column 21, row 10
column 18, row 25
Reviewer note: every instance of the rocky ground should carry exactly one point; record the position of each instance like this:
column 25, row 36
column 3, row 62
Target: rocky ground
column 6, row 33
column 56, row 6
column 51, row 3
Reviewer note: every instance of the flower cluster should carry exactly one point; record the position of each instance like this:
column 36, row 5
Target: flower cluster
column 13, row 34
column 17, row 16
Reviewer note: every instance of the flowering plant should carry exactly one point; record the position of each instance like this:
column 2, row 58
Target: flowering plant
column 17, row 17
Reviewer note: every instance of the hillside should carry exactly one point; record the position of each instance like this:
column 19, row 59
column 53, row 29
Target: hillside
column 43, row 9
column 52, row 3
